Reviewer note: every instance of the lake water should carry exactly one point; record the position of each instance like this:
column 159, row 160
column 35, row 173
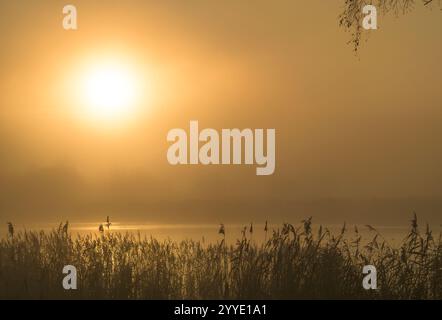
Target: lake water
column 209, row 232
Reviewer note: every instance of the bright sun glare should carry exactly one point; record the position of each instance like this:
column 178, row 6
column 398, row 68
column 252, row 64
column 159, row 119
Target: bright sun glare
column 110, row 92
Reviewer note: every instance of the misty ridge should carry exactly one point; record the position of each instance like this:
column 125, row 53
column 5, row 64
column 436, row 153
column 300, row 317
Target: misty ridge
column 61, row 192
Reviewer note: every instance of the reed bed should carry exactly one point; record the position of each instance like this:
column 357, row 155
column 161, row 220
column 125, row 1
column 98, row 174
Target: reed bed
column 293, row 263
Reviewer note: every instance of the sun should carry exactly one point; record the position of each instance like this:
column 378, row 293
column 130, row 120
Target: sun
column 110, row 92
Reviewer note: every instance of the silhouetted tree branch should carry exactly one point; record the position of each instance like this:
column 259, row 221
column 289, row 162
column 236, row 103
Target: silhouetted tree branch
column 350, row 19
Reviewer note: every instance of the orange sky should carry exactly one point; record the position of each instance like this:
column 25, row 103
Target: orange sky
column 357, row 137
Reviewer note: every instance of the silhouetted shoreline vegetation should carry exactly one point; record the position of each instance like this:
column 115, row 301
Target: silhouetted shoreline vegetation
column 293, row 263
